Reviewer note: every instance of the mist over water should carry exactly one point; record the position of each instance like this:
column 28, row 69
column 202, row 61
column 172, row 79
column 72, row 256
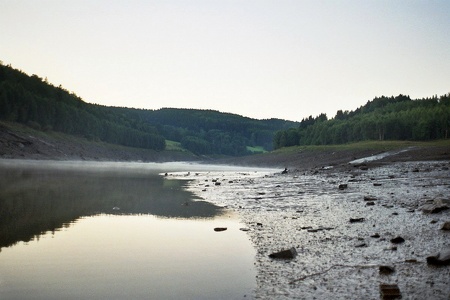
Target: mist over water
column 111, row 230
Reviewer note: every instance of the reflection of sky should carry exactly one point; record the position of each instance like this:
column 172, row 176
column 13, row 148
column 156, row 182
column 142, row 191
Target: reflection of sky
column 131, row 257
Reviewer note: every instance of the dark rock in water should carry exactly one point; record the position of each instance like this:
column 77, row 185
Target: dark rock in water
column 377, row 184
column 356, row 220
column 244, row 229
column 220, row 229
column 390, row 291
column 436, row 207
column 285, row 254
column 440, row 259
column 370, row 203
column 217, row 183
column 446, row 226
column 285, row 171
column 375, row 236
column 415, row 170
column 397, row 240
column 343, row 186
column 369, row 198
column 363, row 168
column 361, row 245
column 386, row 270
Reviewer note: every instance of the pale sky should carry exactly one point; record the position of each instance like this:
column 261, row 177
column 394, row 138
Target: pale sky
column 260, row 59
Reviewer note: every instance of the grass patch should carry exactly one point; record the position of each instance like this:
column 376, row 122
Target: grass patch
column 174, row 146
column 366, row 145
column 257, row 149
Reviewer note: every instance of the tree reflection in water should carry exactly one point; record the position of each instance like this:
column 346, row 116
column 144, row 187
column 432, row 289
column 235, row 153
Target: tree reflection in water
column 37, row 200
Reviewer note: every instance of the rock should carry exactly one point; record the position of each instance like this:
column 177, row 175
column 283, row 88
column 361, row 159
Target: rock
column 285, row 171
column 244, row 229
column 397, row 240
column 375, row 236
column 370, row 198
column 217, row 183
column 285, row 254
column 370, row 203
column 377, row 184
column 386, row 270
column 356, row 220
column 440, row 259
column 437, row 206
column 363, row 168
column 361, row 245
column 220, row 229
column 343, row 186
column 390, row 291
column 446, row 226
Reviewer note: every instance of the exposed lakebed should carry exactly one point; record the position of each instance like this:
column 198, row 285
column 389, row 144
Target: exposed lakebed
column 342, row 236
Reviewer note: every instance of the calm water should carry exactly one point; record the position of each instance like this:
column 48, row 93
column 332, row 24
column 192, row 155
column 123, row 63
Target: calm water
column 115, row 230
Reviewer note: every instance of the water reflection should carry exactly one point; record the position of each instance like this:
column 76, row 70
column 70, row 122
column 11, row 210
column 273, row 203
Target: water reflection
column 34, row 200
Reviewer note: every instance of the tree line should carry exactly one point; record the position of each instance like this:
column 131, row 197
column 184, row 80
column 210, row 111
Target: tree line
column 383, row 118
column 32, row 101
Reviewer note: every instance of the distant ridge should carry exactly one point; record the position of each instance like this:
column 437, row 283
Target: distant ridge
column 32, row 101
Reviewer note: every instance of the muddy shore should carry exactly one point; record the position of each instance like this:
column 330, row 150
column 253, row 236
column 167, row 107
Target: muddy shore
column 306, row 210
column 343, row 221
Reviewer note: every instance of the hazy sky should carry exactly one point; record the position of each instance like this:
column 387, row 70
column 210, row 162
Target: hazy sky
column 261, row 59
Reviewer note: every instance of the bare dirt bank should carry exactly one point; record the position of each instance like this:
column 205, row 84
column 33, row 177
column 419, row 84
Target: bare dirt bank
column 17, row 141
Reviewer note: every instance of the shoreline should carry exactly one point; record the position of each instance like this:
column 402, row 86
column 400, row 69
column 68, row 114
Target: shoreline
column 307, row 211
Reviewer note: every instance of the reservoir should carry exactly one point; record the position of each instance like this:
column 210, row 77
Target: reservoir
column 98, row 230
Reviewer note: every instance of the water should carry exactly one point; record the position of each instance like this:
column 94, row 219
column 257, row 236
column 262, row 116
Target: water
column 116, row 230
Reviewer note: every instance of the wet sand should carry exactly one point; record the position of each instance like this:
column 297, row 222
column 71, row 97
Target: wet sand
column 338, row 258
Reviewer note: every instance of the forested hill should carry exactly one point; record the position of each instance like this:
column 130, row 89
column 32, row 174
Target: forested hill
column 383, row 118
column 33, row 101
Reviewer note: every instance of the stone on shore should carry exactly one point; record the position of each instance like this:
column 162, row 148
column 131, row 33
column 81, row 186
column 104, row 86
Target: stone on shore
column 437, row 206
column 397, row 240
column 390, row 291
column 220, row 229
column 343, row 186
column 440, row 259
column 446, row 226
column 285, row 254
column 356, row 220
column 386, row 270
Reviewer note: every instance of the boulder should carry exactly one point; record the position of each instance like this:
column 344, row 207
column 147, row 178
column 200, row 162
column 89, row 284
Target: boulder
column 446, row 226
column 285, row 254
column 437, row 206
column 440, row 259
column 386, row 270
column 397, row 240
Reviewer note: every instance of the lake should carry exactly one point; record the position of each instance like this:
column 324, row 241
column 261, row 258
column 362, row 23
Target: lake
column 97, row 230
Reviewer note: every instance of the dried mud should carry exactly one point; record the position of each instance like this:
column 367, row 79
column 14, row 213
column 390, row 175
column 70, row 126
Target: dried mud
column 338, row 258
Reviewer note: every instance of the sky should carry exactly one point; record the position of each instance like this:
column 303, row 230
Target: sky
column 286, row 59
